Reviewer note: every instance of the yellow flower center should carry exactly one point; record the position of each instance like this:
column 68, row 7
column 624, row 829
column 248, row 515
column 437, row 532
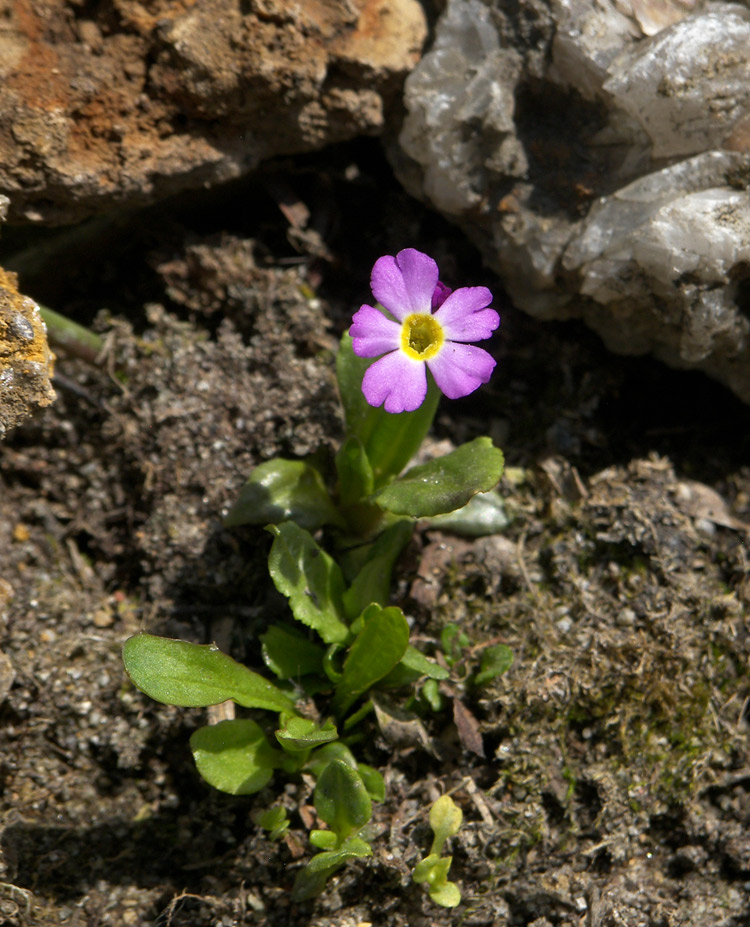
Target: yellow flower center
column 421, row 336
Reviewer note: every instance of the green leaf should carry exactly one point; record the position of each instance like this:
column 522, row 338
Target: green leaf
column 445, row 821
column 341, row 799
column 373, row 581
column 356, row 479
column 413, row 665
column 431, row 694
column 446, row 483
column 290, row 655
column 323, row 839
column 321, row 757
column 495, row 661
column 280, row 490
column 311, row 880
column 447, row 895
column 425, row 867
column 453, row 641
column 434, row 871
column 303, row 734
column 310, row 578
column 274, row 820
column 353, row 848
column 484, row 514
column 373, row 780
column 390, row 441
column 415, row 660
column 234, row 756
column 195, row 675
column 379, row 646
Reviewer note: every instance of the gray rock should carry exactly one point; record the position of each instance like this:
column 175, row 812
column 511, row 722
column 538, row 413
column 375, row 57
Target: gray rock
column 600, row 156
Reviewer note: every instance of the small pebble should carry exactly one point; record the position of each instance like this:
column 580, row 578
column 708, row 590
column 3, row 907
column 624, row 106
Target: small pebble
column 103, row 618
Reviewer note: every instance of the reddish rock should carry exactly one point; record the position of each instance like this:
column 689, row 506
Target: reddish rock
column 143, row 100
column 26, row 361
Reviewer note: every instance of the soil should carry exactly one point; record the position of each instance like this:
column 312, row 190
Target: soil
column 614, row 788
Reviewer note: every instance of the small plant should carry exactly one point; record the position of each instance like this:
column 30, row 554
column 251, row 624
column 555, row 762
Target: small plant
column 445, row 821
column 337, row 533
column 343, row 803
column 274, row 820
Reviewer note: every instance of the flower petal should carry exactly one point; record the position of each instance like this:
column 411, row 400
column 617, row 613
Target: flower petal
column 373, row 334
column 405, row 283
column 464, row 314
column 460, row 368
column 397, row 381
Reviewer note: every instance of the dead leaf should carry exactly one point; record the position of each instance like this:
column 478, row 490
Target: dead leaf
column 400, row 728
column 468, row 728
column 700, row 501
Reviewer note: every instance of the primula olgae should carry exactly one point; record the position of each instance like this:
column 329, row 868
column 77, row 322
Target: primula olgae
column 429, row 325
column 339, row 525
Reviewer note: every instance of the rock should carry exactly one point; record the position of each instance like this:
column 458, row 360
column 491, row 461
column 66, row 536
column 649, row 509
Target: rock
column 600, row 156
column 7, row 676
column 26, row 361
column 127, row 102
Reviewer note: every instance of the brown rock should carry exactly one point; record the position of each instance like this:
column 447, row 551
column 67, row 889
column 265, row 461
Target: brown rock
column 142, row 100
column 25, row 358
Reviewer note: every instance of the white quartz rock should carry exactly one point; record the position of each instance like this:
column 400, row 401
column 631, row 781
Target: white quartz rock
column 599, row 152
column 688, row 85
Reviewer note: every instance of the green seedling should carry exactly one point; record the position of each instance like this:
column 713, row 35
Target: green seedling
column 456, row 646
column 453, row 642
column 343, row 803
column 338, row 531
column 274, row 820
column 495, row 661
column 445, row 821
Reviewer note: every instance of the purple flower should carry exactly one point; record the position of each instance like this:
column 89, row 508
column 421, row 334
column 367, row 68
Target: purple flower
column 430, row 325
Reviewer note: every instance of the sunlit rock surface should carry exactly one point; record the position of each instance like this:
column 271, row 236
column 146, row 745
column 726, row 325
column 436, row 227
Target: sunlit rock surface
column 600, row 155
column 126, row 102
column 25, row 358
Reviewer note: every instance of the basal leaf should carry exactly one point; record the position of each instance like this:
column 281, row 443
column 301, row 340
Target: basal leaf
column 378, row 647
column 446, row 483
column 300, row 734
column 234, row 756
column 195, row 675
column 322, row 756
column 373, row 581
column 310, row 578
column 290, row 655
column 353, row 848
column 311, row 880
column 280, row 490
column 356, row 479
column 483, row 514
column 341, row 799
column 323, row 839
column 373, row 780
column 415, row 660
column 412, row 665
